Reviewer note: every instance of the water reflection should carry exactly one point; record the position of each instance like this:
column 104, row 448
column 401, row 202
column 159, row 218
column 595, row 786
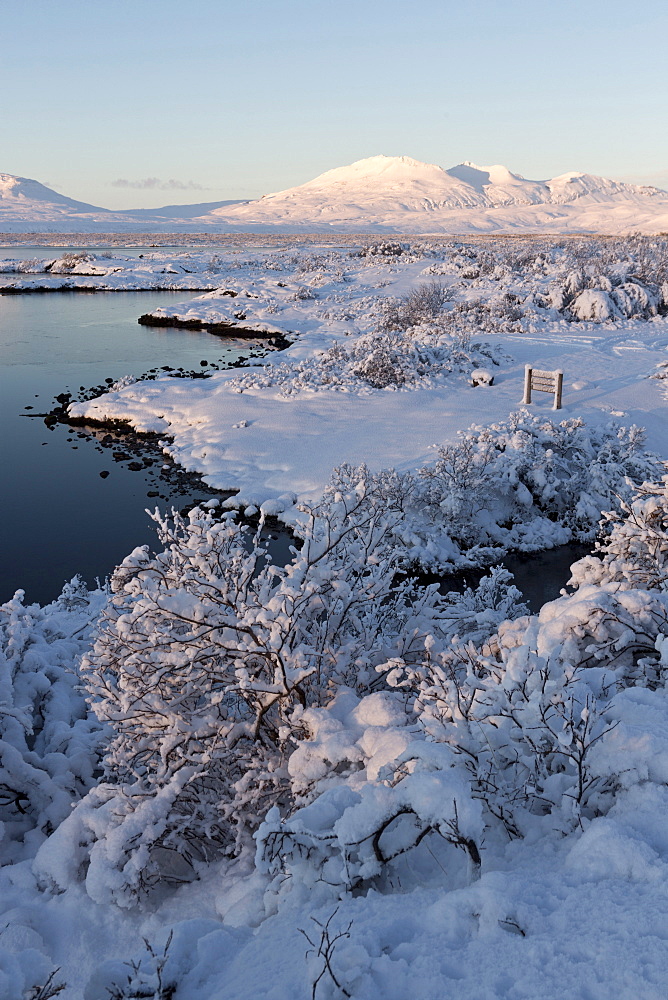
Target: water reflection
column 71, row 502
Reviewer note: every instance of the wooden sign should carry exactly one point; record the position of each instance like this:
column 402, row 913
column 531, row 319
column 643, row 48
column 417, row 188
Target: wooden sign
column 541, row 381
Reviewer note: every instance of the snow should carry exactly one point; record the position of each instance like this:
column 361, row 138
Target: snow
column 296, row 429
column 377, row 194
column 430, row 832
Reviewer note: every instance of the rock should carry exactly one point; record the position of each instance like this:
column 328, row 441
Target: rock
column 480, row 376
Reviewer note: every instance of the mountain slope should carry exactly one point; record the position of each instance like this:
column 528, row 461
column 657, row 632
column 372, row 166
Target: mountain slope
column 28, row 206
column 385, row 193
column 379, row 194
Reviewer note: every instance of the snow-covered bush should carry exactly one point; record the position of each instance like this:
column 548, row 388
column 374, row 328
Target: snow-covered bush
column 204, row 659
column 33, row 266
column 353, row 832
column 596, row 293
column 384, row 249
column 525, row 710
column 28, row 975
column 631, row 300
column 153, row 975
column 526, row 730
column 526, row 484
column 634, row 554
column 49, row 746
column 69, row 261
column 421, row 305
column 376, row 361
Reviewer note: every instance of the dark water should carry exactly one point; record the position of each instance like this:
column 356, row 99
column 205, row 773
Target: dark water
column 59, row 516
column 541, row 575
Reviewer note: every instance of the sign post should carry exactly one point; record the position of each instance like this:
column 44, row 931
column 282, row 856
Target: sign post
column 541, row 381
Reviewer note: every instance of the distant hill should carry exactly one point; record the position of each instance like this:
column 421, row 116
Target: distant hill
column 27, row 206
column 380, row 194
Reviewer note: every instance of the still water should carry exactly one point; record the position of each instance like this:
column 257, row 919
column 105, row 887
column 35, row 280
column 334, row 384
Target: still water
column 60, row 514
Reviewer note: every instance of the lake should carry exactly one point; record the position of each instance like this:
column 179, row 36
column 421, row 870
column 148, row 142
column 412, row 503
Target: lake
column 60, row 513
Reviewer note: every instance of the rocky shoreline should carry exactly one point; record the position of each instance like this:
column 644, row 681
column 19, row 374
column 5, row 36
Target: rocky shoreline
column 276, row 341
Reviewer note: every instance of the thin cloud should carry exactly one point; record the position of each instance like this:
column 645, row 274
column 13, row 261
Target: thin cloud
column 157, row 184
column 658, row 179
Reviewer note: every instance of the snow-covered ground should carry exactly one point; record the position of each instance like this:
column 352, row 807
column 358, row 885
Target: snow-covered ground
column 284, row 426
column 425, row 797
column 79, row 270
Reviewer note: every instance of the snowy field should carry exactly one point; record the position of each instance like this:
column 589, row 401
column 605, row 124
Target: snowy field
column 224, row 780
column 282, row 427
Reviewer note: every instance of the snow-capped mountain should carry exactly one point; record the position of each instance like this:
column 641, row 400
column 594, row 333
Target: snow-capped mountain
column 382, row 194
column 399, row 194
column 27, row 206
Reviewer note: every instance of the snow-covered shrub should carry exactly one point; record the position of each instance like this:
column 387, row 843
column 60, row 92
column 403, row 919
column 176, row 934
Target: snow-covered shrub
column 610, row 290
column 373, row 793
column 49, row 746
column 216, row 264
column 384, row 365
column 516, row 732
column 475, row 614
column 348, row 837
column 524, row 711
column 28, row 975
column 631, row 300
column 204, row 659
column 421, row 305
column 34, row 266
column 477, row 318
column 385, row 249
column 526, row 484
column 367, row 790
column 70, row 260
column 634, row 554
column 303, row 294
column 593, row 305
column 374, row 361
column 642, row 256
column 530, row 729
column 153, row 975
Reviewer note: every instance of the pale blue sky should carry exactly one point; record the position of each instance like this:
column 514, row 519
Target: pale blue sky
column 235, row 98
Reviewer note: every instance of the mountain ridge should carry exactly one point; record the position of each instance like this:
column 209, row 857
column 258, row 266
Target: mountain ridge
column 393, row 194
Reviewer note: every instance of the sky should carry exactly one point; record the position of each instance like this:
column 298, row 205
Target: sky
column 143, row 103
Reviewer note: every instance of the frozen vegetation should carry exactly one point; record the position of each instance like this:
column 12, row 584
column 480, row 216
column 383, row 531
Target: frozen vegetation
column 224, row 779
